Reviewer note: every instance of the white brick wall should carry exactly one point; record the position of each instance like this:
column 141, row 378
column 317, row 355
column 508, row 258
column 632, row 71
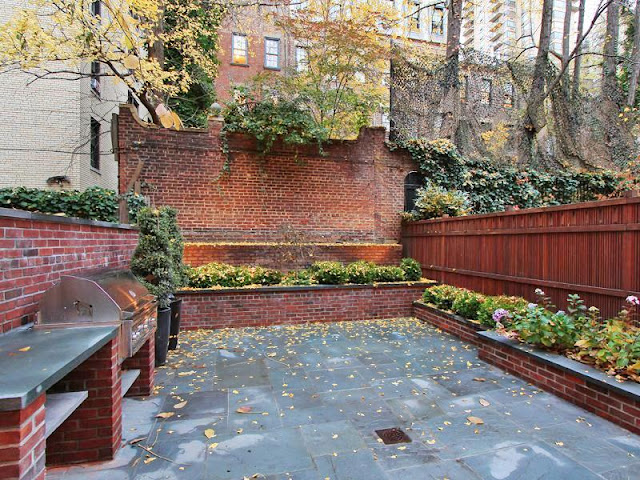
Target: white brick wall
column 45, row 127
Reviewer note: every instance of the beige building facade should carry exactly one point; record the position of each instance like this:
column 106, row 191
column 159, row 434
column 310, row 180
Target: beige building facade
column 56, row 133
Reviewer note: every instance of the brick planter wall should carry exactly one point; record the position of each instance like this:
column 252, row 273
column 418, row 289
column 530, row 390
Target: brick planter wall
column 448, row 322
column 575, row 382
column 352, row 192
column 35, row 250
column 289, row 256
column 252, row 307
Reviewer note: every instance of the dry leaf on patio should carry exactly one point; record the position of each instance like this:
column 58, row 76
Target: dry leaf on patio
column 136, row 440
column 479, row 379
column 209, row 433
column 180, row 405
column 212, row 446
column 149, row 460
column 165, row 415
column 24, row 349
column 483, row 402
column 476, row 420
column 244, row 409
column 185, row 374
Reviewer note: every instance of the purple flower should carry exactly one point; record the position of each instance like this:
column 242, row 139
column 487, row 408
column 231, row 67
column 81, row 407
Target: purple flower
column 499, row 314
column 531, row 306
column 633, row 300
column 560, row 312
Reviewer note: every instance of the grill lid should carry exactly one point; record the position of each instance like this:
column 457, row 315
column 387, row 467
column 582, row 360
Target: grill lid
column 123, row 287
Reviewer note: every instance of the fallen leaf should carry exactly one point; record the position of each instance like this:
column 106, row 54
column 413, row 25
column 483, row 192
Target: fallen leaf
column 476, row 420
column 479, row 379
column 186, row 374
column 213, row 445
column 180, row 405
column 165, row 415
column 25, row 349
column 402, row 448
column 431, row 442
column 136, row 440
column 244, row 409
column 483, row 402
column 560, row 444
column 209, row 433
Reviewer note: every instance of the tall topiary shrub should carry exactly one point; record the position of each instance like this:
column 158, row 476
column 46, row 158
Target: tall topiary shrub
column 169, row 220
column 153, row 259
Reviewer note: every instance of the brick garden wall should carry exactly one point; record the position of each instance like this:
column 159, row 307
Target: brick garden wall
column 453, row 324
column 35, row 250
column 253, row 307
column 354, row 192
column 289, row 256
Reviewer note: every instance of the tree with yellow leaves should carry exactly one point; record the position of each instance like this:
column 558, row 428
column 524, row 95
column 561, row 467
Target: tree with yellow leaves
column 155, row 47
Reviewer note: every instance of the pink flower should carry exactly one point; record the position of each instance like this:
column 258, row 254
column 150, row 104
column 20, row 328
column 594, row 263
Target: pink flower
column 633, row 300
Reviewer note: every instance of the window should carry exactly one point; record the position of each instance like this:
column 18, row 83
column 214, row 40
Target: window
column 412, row 182
column 272, row 53
column 96, row 8
column 95, row 77
column 95, row 144
column 437, row 20
column 302, row 59
column 132, row 100
column 415, row 15
column 485, row 92
column 240, row 49
column 508, row 95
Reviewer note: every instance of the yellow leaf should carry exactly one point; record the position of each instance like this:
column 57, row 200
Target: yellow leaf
column 149, row 460
column 209, row 433
column 180, row 405
column 431, row 442
column 167, row 120
column 25, row 349
column 165, row 415
column 244, row 410
column 131, row 62
column 402, row 448
column 483, row 402
column 476, row 420
column 213, row 445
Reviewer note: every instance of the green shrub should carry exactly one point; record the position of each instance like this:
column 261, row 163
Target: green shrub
column 330, row 273
column 266, row 276
column 434, row 201
column 388, row 273
column 467, row 304
column 94, row 203
column 442, row 296
column 539, row 326
column 514, row 305
column 300, row 277
column 361, row 272
column 411, row 268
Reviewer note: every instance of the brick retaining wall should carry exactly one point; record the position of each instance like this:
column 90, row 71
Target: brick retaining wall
column 263, row 306
column 448, row 322
column 289, row 256
column 35, row 250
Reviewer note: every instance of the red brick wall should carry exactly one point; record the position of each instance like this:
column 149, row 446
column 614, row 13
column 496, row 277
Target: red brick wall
column 449, row 323
column 22, row 442
column 354, row 192
column 619, row 409
column 252, row 307
column 37, row 249
column 289, row 256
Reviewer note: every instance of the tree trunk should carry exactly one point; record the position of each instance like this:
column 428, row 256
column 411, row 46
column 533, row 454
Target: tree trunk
column 634, row 62
column 610, row 51
column 450, row 105
column 578, row 59
column 536, row 120
column 566, row 34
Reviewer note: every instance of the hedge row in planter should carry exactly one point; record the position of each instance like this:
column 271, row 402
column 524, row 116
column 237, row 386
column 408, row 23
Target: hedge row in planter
column 612, row 345
column 323, row 273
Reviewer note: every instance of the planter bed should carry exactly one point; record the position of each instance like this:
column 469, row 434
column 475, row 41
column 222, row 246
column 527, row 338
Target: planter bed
column 286, row 305
column 578, row 383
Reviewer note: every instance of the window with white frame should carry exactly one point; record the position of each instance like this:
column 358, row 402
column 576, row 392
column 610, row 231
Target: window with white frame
column 239, row 49
column 95, row 77
column 272, row 53
column 94, row 158
column 437, row 20
column 302, row 59
column 415, row 15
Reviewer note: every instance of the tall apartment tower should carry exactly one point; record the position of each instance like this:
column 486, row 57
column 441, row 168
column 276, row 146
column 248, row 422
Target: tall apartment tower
column 504, row 28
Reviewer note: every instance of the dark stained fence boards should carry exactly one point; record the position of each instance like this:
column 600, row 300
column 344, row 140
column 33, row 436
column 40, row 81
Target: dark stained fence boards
column 592, row 249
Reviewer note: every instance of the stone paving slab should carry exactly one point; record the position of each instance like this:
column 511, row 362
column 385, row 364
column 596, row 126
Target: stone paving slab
column 303, row 403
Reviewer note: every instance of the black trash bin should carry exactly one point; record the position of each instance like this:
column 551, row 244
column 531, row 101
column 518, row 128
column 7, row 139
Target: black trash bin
column 162, row 335
column 176, row 312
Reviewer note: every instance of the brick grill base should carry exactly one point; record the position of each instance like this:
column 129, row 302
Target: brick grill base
column 94, row 431
column 22, row 442
column 144, row 360
column 577, row 389
column 289, row 256
column 253, row 307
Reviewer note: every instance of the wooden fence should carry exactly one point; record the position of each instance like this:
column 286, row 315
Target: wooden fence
column 592, row 249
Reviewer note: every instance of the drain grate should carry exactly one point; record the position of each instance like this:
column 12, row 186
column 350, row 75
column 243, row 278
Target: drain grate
column 391, row 436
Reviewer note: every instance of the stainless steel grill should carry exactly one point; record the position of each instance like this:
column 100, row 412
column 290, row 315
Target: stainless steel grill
column 106, row 297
